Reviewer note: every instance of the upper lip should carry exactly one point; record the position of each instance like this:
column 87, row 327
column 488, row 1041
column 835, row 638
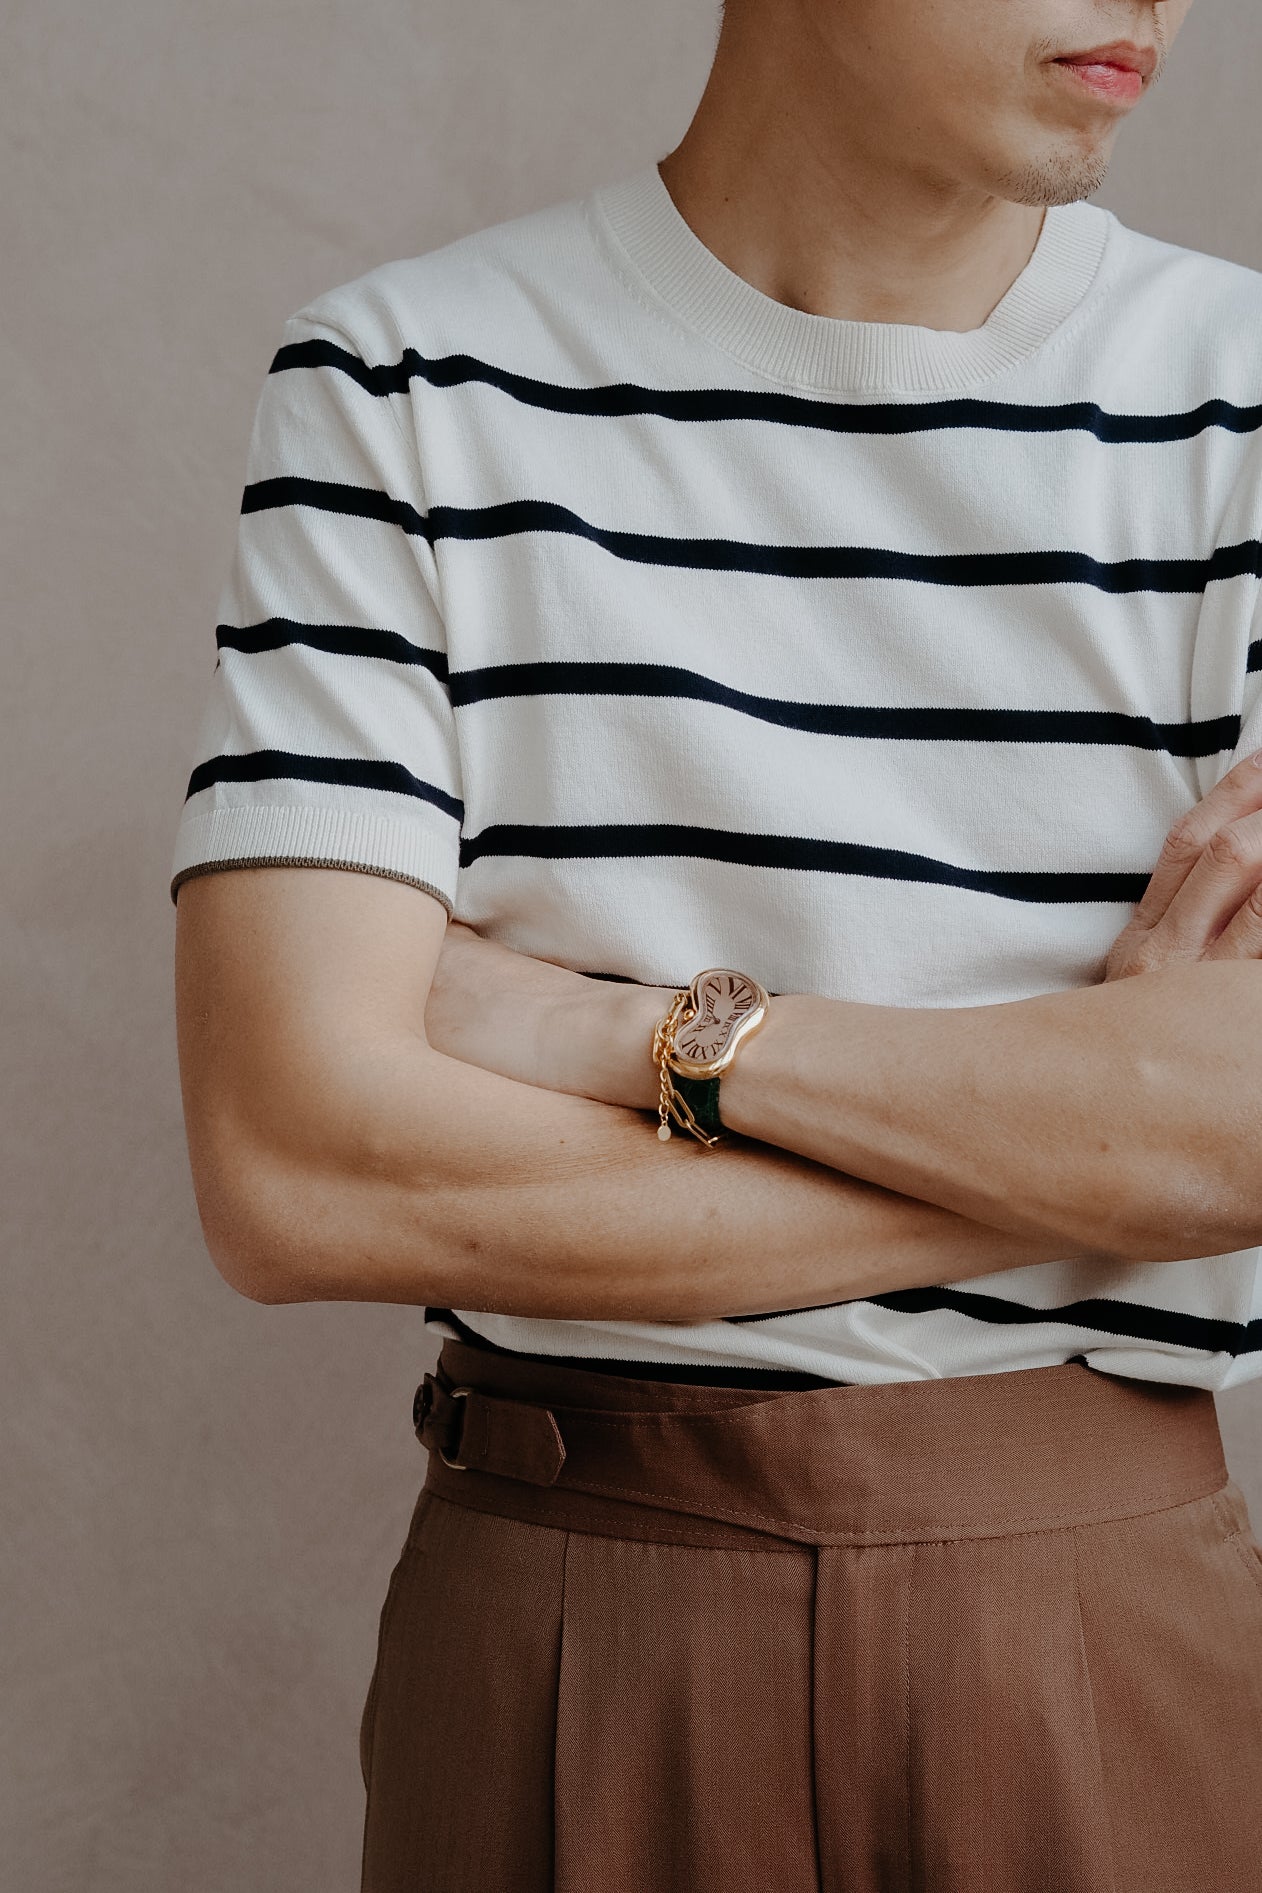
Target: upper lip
column 1140, row 59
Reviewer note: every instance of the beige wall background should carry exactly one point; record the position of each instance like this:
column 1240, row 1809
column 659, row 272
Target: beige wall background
column 201, row 1497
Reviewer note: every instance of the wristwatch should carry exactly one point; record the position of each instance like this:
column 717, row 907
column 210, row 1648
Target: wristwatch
column 725, row 1008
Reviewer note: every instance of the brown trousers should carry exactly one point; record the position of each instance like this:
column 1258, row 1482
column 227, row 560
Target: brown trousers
column 1000, row 1633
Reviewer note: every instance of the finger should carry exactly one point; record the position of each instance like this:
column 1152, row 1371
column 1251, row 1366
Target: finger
column 1241, row 938
column 1237, row 795
column 1228, row 869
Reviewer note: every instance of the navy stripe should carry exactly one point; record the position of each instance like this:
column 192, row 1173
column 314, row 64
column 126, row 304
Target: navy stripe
column 1254, row 659
column 1128, row 1320
column 600, row 678
column 281, row 765
column 565, row 677
column 732, row 555
column 737, row 404
column 604, row 841
column 343, row 640
column 911, row 724
column 332, row 496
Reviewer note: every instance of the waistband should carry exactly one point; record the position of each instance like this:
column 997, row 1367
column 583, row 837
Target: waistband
column 914, row 1461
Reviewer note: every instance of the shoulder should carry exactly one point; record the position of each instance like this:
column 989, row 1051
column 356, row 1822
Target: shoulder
column 462, row 295
column 1198, row 300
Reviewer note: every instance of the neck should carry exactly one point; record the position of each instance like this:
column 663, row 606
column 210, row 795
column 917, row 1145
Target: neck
column 786, row 181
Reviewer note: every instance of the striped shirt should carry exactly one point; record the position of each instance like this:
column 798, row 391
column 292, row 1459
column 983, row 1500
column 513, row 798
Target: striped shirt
column 653, row 624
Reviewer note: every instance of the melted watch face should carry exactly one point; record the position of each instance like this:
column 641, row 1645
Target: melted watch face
column 727, row 1005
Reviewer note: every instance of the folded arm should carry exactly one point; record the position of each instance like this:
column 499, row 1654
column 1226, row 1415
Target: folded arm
column 1125, row 1116
column 380, row 1106
column 337, row 1155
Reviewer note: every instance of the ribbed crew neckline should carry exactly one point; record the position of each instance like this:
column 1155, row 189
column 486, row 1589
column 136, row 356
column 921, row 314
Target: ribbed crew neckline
column 833, row 352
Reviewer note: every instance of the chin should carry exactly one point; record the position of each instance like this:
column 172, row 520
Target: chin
column 1056, row 178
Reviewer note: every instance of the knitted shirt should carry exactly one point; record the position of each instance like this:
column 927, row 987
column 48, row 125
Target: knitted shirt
column 651, row 624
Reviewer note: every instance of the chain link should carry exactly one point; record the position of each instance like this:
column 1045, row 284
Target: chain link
column 661, row 1042
column 669, row 1103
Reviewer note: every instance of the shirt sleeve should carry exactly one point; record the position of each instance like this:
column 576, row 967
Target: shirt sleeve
column 327, row 737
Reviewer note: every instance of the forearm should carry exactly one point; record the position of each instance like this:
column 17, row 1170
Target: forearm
column 1125, row 1116
column 428, row 1180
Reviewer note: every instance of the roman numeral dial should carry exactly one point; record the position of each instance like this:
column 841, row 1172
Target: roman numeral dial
column 726, row 1006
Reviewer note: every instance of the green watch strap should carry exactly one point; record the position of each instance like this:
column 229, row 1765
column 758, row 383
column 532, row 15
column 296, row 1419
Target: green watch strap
column 701, row 1095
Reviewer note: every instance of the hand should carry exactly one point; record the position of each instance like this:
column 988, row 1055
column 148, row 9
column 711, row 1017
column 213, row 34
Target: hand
column 1204, row 901
column 542, row 1024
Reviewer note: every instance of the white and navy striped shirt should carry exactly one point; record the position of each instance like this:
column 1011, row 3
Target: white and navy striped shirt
column 653, row 624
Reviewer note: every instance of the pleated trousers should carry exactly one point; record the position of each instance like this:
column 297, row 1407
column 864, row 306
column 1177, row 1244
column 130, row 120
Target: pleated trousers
column 1000, row 1633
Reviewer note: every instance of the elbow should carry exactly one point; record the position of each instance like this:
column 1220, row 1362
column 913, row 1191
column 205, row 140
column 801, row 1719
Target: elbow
column 282, row 1229
column 243, row 1274
column 243, row 1237
column 247, row 1264
column 269, row 1273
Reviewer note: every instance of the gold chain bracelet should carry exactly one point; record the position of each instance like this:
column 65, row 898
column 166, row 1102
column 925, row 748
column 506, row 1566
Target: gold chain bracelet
column 669, row 1103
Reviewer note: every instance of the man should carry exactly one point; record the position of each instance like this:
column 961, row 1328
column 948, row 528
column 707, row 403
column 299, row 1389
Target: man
column 777, row 643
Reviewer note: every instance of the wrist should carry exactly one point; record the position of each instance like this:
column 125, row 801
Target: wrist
column 614, row 1039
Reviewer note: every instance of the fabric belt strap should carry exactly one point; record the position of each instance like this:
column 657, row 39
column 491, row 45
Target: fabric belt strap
column 970, row 1457
column 471, row 1430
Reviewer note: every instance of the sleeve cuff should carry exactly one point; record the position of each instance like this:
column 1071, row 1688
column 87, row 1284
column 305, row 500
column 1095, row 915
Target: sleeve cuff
column 269, row 836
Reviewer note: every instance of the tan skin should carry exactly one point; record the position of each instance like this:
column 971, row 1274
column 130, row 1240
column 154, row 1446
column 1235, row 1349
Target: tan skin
column 383, row 1106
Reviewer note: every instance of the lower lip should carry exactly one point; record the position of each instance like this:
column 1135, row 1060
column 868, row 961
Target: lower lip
column 1121, row 83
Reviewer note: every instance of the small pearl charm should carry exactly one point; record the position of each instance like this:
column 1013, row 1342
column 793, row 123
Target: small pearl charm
column 663, row 1131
